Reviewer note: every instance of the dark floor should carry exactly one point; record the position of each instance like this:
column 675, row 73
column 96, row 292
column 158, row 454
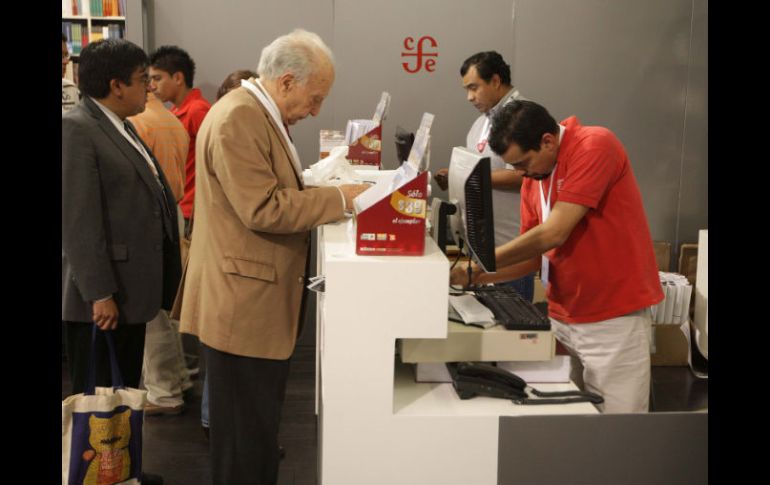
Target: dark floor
column 175, row 446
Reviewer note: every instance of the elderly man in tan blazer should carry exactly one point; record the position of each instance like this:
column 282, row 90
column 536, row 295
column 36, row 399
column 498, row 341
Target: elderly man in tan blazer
column 246, row 273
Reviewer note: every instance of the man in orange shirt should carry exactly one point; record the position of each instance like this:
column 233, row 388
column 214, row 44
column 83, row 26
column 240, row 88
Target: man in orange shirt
column 168, row 139
column 172, row 71
column 164, row 369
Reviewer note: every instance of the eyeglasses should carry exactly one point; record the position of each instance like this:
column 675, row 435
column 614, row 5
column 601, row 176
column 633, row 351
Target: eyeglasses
column 144, row 78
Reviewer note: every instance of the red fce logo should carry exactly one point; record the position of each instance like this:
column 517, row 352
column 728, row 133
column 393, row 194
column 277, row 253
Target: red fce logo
column 419, row 53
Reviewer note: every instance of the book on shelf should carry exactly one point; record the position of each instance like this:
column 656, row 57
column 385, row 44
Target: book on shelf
column 76, row 42
column 71, row 8
column 96, row 33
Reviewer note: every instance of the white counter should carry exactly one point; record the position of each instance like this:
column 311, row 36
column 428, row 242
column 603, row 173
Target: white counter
column 376, row 425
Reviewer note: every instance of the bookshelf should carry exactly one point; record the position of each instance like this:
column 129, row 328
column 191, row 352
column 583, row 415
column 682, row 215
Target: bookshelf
column 85, row 21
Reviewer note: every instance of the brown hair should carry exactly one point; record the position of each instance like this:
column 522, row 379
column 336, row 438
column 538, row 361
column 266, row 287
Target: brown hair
column 233, row 80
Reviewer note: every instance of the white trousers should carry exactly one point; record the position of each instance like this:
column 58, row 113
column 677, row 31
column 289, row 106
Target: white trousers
column 611, row 358
column 164, row 368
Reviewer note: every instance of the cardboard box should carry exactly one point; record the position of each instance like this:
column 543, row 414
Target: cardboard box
column 688, row 262
column 395, row 225
column 539, row 294
column 671, row 345
column 662, row 254
column 367, row 150
column 469, row 343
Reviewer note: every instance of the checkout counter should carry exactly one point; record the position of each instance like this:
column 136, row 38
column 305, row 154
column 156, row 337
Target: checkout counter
column 377, row 425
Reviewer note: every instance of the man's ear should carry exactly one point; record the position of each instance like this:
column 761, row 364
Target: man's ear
column 116, row 87
column 496, row 82
column 548, row 141
column 286, row 82
column 178, row 78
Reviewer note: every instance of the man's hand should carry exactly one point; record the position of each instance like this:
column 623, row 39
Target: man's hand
column 442, row 178
column 106, row 314
column 459, row 274
column 351, row 191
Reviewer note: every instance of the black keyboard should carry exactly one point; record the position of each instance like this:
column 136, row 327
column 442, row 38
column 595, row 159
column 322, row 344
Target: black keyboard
column 511, row 310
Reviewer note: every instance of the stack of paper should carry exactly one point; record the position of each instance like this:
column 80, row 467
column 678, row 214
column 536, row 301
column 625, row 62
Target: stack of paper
column 675, row 306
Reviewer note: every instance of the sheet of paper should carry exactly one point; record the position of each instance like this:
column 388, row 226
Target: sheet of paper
column 383, row 107
column 384, row 187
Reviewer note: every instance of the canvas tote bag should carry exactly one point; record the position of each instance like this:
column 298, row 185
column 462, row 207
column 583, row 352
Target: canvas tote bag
column 101, row 428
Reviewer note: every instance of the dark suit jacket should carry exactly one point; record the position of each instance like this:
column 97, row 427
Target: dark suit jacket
column 118, row 236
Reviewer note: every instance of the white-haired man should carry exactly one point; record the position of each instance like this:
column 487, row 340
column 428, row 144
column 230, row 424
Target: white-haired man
column 246, row 275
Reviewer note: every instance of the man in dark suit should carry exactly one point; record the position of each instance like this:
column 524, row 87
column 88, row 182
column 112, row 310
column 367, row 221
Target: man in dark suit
column 120, row 242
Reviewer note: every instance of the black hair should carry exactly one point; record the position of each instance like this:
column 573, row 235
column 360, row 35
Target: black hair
column 487, row 65
column 173, row 59
column 63, row 37
column 523, row 123
column 105, row 60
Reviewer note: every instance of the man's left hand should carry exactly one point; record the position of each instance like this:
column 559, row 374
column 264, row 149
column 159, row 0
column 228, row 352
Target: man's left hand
column 459, row 274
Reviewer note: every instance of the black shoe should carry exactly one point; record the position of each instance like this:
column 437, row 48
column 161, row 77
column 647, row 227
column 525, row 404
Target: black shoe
column 150, row 479
column 206, row 431
column 281, row 452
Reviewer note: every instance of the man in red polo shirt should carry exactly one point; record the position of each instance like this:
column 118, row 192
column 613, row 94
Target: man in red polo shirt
column 583, row 226
column 172, row 71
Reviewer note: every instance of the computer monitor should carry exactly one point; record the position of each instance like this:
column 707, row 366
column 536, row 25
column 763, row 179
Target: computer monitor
column 470, row 189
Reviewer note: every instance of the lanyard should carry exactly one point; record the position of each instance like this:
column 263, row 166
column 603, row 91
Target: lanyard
column 482, row 143
column 484, row 136
column 276, row 115
column 545, row 210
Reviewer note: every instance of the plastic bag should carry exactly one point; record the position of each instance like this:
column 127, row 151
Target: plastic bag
column 334, row 169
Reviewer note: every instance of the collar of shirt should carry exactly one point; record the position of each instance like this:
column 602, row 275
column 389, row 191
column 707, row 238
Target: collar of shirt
column 115, row 119
column 273, row 108
column 193, row 95
column 122, row 130
column 255, row 85
column 512, row 94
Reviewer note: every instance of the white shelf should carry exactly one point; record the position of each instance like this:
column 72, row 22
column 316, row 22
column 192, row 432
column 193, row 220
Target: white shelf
column 436, row 399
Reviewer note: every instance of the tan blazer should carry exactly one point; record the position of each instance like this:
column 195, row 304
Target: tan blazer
column 246, row 272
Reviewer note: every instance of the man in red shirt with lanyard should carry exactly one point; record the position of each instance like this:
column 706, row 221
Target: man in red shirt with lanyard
column 172, row 71
column 583, row 225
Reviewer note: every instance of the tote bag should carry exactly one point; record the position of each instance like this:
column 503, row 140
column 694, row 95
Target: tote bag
column 101, row 429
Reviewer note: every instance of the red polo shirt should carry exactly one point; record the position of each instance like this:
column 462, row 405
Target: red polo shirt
column 191, row 114
column 607, row 267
